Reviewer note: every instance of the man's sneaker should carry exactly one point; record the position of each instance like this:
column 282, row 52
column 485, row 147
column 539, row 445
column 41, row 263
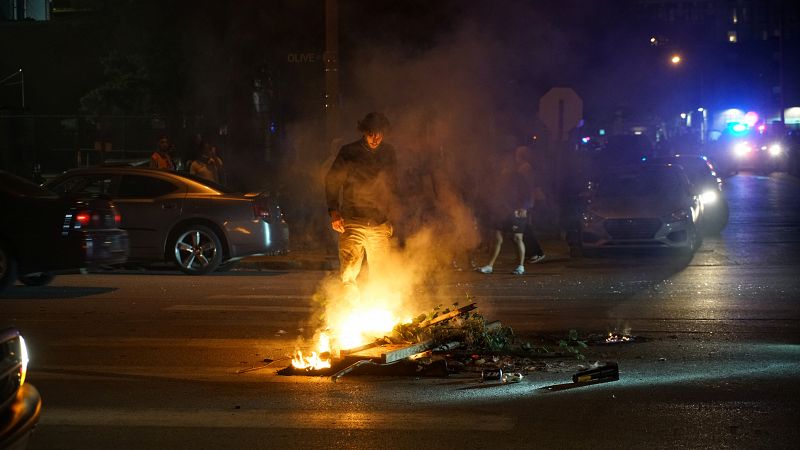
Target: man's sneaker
column 485, row 269
column 535, row 259
column 520, row 270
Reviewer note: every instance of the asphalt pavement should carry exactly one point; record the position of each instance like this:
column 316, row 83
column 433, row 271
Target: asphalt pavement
column 324, row 259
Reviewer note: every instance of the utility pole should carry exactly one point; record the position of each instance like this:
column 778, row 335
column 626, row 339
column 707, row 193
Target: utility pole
column 331, row 72
column 780, row 68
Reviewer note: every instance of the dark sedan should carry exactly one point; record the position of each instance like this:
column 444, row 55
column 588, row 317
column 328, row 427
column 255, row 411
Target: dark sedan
column 172, row 217
column 42, row 234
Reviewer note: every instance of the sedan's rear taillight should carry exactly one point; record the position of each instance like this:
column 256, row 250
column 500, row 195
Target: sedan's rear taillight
column 89, row 218
column 260, row 210
column 83, row 218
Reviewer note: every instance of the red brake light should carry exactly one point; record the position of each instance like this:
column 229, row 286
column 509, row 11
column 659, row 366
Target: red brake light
column 83, row 217
column 260, row 211
column 117, row 218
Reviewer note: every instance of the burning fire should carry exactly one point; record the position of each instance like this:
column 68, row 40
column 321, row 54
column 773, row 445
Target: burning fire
column 361, row 327
column 316, row 361
column 617, row 337
column 355, row 329
column 352, row 319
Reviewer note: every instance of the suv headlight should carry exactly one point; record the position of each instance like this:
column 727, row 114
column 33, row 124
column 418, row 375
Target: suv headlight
column 775, row 150
column 678, row 215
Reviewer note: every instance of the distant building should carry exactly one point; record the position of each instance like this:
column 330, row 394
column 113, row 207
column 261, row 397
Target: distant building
column 731, row 21
column 11, row 10
column 734, row 53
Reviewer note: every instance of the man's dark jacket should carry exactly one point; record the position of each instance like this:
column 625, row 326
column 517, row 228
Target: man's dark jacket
column 367, row 180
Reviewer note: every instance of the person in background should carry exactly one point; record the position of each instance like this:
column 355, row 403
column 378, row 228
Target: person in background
column 365, row 174
column 510, row 216
column 160, row 158
column 208, row 165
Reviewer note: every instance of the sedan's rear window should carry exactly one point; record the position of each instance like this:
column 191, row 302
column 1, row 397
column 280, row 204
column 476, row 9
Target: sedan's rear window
column 210, row 184
column 144, row 186
column 85, row 184
column 15, row 185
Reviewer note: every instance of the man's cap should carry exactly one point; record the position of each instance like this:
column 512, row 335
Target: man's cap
column 374, row 122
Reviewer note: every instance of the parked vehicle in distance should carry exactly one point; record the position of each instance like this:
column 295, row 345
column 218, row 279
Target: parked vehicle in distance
column 42, row 234
column 173, row 217
column 20, row 402
column 640, row 206
column 706, row 184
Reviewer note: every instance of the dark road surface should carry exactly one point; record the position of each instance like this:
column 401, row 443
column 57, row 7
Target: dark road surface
column 151, row 359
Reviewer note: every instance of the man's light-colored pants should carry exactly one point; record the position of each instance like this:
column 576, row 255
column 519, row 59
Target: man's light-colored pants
column 359, row 238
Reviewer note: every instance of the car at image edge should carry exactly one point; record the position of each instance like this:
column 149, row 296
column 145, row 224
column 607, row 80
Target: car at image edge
column 20, row 401
column 42, row 234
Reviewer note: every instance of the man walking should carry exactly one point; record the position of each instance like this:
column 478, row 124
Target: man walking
column 364, row 173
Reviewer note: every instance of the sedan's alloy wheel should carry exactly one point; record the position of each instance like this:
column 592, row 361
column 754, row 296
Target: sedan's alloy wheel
column 197, row 250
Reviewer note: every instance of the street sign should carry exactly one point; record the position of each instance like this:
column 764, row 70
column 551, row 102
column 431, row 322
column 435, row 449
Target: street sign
column 561, row 110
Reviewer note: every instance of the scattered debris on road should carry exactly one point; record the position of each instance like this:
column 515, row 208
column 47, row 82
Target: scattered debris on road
column 458, row 341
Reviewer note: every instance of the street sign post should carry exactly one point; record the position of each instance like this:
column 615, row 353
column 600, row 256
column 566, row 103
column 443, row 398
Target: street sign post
column 561, row 110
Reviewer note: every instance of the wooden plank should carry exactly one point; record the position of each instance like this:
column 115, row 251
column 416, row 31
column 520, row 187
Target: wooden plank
column 374, row 353
column 448, row 316
column 405, row 352
column 373, row 344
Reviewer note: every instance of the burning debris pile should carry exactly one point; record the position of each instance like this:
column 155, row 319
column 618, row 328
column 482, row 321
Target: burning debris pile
column 457, row 340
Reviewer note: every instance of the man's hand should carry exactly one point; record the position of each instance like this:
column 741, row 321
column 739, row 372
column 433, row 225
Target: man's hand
column 337, row 223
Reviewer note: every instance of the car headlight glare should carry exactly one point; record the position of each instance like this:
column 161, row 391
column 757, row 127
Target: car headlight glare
column 708, row 197
column 775, row 150
column 23, row 353
column 742, row 149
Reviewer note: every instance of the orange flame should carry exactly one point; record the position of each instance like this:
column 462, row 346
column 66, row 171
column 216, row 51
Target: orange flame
column 316, row 361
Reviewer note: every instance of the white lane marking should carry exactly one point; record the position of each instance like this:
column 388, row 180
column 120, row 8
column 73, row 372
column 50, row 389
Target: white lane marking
column 206, row 343
column 259, row 296
column 136, row 373
column 249, row 308
column 322, row 420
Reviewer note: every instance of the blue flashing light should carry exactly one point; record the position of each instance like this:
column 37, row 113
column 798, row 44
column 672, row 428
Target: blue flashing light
column 644, row 158
column 586, row 140
column 602, row 132
column 705, row 158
